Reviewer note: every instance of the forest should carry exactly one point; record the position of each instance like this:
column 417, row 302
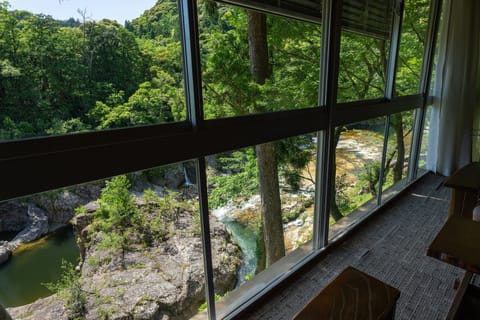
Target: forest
column 64, row 77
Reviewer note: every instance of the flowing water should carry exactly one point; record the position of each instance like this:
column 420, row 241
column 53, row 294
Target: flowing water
column 22, row 276
column 247, row 241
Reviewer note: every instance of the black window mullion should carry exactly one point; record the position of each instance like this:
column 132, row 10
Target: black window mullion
column 325, row 181
column 383, row 161
column 394, row 49
column 425, row 80
column 194, row 102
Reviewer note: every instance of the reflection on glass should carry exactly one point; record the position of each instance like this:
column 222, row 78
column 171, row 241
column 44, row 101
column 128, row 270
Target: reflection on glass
column 279, row 70
column 357, row 171
column 422, row 160
column 398, row 153
column 410, row 56
column 264, row 196
column 62, row 76
column 135, row 250
column 433, row 80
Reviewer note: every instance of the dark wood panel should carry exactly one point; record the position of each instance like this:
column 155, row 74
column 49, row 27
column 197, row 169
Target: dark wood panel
column 352, row 295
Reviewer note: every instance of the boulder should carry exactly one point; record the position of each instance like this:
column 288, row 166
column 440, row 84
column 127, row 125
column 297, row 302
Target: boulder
column 5, row 253
column 37, row 227
column 46, row 308
column 60, row 205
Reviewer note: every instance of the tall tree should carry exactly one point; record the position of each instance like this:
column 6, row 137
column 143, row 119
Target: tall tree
column 272, row 226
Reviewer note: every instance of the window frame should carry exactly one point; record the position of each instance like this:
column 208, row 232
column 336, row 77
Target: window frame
column 35, row 165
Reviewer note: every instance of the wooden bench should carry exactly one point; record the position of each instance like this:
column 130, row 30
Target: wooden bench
column 352, row 295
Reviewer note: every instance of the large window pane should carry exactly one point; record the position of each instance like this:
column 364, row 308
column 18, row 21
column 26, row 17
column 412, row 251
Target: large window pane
column 264, row 195
column 62, row 75
column 364, row 49
column 363, row 65
column 140, row 247
column 358, row 162
column 410, row 56
column 422, row 160
column 277, row 71
column 398, row 153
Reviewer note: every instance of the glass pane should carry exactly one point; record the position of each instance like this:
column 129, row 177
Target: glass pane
column 398, row 153
column 140, row 247
column 277, row 71
column 65, row 69
column 434, row 80
column 270, row 218
column 422, row 160
column 363, row 63
column 358, row 160
column 412, row 42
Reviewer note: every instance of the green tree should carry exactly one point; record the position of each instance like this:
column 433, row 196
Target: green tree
column 112, row 58
column 117, row 209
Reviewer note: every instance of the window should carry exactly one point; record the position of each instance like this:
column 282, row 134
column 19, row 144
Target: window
column 200, row 205
column 277, row 71
column 264, row 195
column 397, row 155
column 80, row 74
column 413, row 37
column 358, row 165
column 364, row 50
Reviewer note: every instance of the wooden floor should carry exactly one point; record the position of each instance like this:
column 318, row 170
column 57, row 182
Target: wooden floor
column 391, row 247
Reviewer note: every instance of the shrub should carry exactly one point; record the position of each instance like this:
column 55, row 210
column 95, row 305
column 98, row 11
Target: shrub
column 68, row 289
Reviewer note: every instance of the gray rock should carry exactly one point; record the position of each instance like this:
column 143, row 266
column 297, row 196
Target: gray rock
column 5, row 254
column 13, row 216
column 46, row 308
column 60, row 205
column 37, row 227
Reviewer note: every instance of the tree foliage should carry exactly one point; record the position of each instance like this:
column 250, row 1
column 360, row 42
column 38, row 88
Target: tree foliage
column 59, row 77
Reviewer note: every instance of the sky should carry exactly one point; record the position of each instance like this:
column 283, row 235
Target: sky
column 119, row 10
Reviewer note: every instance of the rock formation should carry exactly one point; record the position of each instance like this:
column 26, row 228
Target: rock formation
column 35, row 216
column 161, row 277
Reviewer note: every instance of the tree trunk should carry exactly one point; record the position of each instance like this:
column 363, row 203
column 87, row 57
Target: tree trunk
column 258, row 46
column 271, row 207
column 272, row 226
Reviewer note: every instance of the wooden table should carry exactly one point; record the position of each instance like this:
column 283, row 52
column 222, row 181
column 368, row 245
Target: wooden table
column 352, row 295
column 465, row 184
column 458, row 243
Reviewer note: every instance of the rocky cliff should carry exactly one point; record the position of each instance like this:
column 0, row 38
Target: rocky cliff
column 35, row 216
column 157, row 272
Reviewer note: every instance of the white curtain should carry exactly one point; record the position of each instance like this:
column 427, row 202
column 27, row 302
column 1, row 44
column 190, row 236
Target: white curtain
column 455, row 89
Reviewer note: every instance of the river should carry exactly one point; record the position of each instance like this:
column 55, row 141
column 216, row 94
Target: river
column 247, row 241
column 22, row 276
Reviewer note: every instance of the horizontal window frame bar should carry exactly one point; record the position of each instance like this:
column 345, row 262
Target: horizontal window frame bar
column 351, row 112
column 22, row 148
column 29, row 173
